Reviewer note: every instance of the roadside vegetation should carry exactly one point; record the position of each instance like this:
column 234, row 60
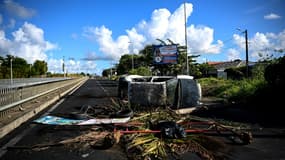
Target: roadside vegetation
column 22, row 69
column 231, row 90
column 261, row 90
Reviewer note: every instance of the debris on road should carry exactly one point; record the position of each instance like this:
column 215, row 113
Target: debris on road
column 155, row 135
column 54, row 120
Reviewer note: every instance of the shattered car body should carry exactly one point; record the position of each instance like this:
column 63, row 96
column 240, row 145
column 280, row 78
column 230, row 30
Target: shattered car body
column 176, row 91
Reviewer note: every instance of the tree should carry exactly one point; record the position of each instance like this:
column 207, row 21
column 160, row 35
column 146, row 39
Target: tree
column 39, row 68
column 274, row 73
column 143, row 71
column 106, row 72
column 125, row 64
column 205, row 69
column 20, row 67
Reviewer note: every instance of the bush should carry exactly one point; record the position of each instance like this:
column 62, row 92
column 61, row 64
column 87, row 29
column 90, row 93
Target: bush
column 275, row 74
column 235, row 73
column 232, row 90
column 143, row 71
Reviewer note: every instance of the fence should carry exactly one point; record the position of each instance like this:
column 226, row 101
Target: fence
column 16, row 94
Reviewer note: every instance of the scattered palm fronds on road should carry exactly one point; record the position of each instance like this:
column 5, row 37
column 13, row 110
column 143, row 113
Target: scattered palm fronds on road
column 142, row 138
column 152, row 145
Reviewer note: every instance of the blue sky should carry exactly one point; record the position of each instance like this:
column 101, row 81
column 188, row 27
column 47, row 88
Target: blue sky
column 91, row 35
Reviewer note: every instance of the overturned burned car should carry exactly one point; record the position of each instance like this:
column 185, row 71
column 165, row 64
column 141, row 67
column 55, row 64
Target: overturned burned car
column 180, row 91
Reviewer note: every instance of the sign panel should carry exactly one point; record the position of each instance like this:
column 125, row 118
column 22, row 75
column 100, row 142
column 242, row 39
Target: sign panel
column 165, row 54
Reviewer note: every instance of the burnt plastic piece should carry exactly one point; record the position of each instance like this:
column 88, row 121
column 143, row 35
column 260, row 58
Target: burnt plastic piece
column 170, row 129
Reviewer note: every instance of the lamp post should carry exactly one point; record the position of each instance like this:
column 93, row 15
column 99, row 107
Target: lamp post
column 132, row 55
column 63, row 67
column 11, row 70
column 185, row 27
column 0, row 67
column 246, row 50
column 111, row 70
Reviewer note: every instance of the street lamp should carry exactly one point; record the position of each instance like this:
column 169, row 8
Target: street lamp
column 11, row 70
column 0, row 65
column 132, row 55
column 246, row 50
column 63, row 67
column 185, row 27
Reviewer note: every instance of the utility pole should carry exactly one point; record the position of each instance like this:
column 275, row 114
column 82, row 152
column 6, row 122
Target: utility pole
column 111, row 70
column 246, row 52
column 132, row 60
column 63, row 67
column 132, row 50
column 185, row 27
column 11, row 71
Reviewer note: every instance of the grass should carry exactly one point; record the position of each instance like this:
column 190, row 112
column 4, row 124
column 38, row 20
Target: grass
column 232, row 90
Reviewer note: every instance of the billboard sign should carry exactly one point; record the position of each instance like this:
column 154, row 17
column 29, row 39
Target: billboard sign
column 165, row 54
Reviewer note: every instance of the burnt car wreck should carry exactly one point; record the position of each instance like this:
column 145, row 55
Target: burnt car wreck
column 175, row 91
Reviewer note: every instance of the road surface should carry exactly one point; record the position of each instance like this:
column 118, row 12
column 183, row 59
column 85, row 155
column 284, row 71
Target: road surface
column 269, row 143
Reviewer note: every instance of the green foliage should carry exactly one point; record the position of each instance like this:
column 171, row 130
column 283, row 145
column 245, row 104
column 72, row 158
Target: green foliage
column 213, row 86
column 262, row 89
column 205, row 69
column 109, row 72
column 106, row 73
column 231, row 90
column 241, row 90
column 258, row 71
column 20, row 67
column 125, row 64
column 143, row 71
column 235, row 73
column 275, row 74
column 39, row 68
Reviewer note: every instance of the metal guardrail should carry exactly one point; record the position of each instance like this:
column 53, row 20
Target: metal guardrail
column 21, row 82
column 12, row 96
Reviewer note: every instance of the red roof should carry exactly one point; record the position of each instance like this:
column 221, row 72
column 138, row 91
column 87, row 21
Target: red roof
column 215, row 63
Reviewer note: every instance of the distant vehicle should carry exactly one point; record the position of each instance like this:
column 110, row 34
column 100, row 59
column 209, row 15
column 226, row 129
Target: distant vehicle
column 180, row 91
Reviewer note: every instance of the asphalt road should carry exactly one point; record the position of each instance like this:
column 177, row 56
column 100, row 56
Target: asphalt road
column 269, row 142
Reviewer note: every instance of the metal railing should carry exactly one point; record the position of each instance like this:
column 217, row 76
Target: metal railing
column 17, row 94
column 21, row 82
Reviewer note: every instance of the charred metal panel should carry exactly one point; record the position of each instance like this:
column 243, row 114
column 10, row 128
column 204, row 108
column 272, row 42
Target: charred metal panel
column 147, row 93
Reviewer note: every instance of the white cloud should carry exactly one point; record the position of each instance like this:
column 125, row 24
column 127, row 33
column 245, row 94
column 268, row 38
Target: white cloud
column 55, row 65
column 158, row 25
column 162, row 25
column 136, row 40
column 280, row 40
column 200, row 40
column 28, row 42
column 111, row 48
column 261, row 44
column 271, row 16
column 18, row 10
column 233, row 54
column 5, row 44
column 70, row 66
column 176, row 29
column 73, row 66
